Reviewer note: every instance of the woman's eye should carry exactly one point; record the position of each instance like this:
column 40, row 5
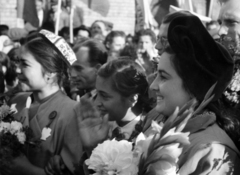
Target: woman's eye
column 162, row 77
column 24, row 64
column 103, row 96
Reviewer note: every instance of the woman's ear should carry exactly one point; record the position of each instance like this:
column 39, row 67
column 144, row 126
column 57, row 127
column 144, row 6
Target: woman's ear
column 133, row 100
column 50, row 77
column 97, row 66
column 107, row 45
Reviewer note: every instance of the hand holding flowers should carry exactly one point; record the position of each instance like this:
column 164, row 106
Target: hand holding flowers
column 13, row 137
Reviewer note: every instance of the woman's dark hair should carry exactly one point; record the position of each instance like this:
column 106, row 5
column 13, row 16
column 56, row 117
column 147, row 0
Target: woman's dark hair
column 4, row 60
column 130, row 51
column 47, row 55
column 2, row 82
column 226, row 117
column 128, row 78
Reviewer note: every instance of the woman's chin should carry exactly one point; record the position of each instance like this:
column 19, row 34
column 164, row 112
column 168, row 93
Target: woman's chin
column 159, row 108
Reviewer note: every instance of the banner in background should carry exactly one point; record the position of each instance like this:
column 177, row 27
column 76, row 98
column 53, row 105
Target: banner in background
column 26, row 10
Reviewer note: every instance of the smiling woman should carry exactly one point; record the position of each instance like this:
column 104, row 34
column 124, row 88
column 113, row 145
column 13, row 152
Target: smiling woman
column 190, row 64
column 122, row 87
column 42, row 69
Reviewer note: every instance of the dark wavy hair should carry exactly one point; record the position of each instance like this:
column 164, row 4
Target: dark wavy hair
column 48, row 56
column 128, row 78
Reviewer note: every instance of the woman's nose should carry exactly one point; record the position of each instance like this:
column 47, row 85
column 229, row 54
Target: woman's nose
column 154, row 86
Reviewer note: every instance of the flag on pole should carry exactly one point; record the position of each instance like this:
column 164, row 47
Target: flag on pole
column 30, row 13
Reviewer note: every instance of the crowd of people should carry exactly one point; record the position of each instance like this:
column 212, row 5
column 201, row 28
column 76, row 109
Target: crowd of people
column 106, row 82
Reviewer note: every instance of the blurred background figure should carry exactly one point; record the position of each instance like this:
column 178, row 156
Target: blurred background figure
column 3, row 29
column 115, row 42
column 101, row 27
column 81, row 32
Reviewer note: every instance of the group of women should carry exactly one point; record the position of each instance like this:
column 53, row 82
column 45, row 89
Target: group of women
column 191, row 63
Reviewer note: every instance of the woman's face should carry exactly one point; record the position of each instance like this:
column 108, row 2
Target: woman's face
column 30, row 71
column 109, row 101
column 168, row 87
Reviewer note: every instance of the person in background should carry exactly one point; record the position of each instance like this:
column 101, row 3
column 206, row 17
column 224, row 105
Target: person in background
column 3, row 29
column 146, row 40
column 229, row 36
column 91, row 55
column 129, row 39
column 41, row 13
column 100, row 27
column 115, row 42
column 64, row 15
column 64, row 32
column 80, row 32
column 129, row 51
column 42, row 68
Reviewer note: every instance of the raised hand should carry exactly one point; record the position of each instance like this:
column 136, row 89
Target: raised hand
column 93, row 129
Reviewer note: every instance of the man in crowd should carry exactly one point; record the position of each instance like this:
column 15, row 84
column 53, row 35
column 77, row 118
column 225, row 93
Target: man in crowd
column 115, row 42
column 91, row 55
column 229, row 32
column 229, row 19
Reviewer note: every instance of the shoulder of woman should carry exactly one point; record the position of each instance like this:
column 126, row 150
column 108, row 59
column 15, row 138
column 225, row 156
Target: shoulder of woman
column 210, row 135
column 212, row 159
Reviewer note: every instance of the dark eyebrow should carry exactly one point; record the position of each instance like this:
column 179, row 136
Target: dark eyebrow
column 229, row 18
column 160, row 71
column 20, row 59
column 77, row 66
column 104, row 93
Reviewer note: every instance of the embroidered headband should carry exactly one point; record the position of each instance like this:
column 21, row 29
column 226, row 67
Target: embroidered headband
column 61, row 45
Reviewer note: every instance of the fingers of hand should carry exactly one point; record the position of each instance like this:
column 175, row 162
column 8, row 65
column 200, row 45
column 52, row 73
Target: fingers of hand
column 90, row 123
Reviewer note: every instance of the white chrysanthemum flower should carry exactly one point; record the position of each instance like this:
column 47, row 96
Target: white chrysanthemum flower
column 21, row 137
column 15, row 127
column 113, row 158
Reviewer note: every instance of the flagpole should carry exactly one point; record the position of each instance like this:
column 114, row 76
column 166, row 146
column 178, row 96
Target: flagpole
column 210, row 8
column 190, row 5
column 58, row 17
column 71, row 22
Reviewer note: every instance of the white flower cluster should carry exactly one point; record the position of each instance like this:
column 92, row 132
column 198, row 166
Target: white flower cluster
column 234, row 86
column 14, row 128
column 113, row 158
